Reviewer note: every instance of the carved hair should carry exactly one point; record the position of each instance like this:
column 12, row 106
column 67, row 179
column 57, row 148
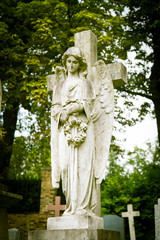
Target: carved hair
column 77, row 53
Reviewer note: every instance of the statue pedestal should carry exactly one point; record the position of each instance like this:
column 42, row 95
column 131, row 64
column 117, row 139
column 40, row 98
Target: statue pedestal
column 75, row 228
column 75, row 222
column 74, row 234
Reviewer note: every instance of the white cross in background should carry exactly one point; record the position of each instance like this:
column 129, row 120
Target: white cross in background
column 130, row 214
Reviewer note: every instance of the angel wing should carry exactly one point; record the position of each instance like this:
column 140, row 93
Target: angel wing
column 58, row 77
column 102, row 115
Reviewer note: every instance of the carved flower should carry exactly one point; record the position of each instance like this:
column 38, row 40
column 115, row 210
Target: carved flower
column 81, row 128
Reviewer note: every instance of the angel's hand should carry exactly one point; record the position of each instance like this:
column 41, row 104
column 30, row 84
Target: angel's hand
column 75, row 107
column 98, row 180
column 64, row 116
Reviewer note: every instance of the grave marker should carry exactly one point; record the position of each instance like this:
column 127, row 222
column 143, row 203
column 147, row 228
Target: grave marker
column 130, row 214
column 157, row 220
column 114, row 223
column 15, row 234
column 57, row 207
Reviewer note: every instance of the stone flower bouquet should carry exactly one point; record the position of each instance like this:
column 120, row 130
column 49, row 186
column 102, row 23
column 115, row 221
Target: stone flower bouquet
column 75, row 130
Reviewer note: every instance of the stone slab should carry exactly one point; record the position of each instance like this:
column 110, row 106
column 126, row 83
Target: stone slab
column 75, row 234
column 15, row 234
column 75, row 222
column 157, row 220
column 115, row 223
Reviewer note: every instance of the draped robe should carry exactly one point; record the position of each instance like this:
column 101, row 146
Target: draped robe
column 73, row 146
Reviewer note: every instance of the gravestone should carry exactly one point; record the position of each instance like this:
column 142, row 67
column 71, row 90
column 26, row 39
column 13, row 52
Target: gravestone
column 114, row 223
column 97, row 73
column 157, row 220
column 130, row 215
column 81, row 127
column 57, row 207
column 15, row 234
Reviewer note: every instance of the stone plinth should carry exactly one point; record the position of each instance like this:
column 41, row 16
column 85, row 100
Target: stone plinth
column 75, row 222
column 74, row 234
column 6, row 200
column 157, row 220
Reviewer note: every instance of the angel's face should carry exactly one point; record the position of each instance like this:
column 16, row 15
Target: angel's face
column 72, row 64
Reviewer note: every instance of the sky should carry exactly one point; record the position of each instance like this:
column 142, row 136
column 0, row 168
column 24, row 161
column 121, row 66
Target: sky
column 141, row 133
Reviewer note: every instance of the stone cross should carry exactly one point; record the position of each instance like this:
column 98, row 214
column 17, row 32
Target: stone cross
column 130, row 214
column 57, row 207
column 157, row 220
column 87, row 42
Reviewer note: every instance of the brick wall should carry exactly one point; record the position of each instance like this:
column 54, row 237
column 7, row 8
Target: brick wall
column 36, row 221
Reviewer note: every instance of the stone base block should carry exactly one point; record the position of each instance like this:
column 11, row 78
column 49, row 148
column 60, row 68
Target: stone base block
column 75, row 234
column 75, row 222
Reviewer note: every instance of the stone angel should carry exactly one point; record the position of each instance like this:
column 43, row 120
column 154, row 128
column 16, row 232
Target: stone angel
column 81, row 120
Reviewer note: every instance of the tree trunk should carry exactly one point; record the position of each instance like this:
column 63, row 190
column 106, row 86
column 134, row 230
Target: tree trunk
column 6, row 142
column 155, row 77
column 157, row 112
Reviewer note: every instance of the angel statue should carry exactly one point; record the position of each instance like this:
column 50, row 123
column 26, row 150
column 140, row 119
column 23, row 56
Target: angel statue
column 82, row 118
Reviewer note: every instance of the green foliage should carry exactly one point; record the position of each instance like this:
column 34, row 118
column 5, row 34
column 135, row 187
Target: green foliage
column 29, row 156
column 138, row 186
column 34, row 35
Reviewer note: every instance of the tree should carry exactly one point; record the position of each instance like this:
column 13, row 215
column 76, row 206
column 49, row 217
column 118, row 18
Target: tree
column 34, row 35
column 142, row 36
column 29, row 156
column 138, row 186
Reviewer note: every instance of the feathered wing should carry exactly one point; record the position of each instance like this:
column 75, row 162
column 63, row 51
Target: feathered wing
column 102, row 115
column 55, row 111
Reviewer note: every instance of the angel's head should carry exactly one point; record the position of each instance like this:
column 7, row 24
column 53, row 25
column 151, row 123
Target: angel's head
column 75, row 56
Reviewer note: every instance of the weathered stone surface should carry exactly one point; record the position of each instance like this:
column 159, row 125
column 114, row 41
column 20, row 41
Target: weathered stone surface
column 50, row 82
column 15, row 234
column 75, row 222
column 118, row 73
column 87, row 42
column 157, row 220
column 81, row 234
column 82, row 107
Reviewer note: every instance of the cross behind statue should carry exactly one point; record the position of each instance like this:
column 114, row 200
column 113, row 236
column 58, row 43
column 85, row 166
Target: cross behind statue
column 57, row 208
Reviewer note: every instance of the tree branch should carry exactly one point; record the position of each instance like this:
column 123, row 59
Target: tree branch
column 137, row 94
